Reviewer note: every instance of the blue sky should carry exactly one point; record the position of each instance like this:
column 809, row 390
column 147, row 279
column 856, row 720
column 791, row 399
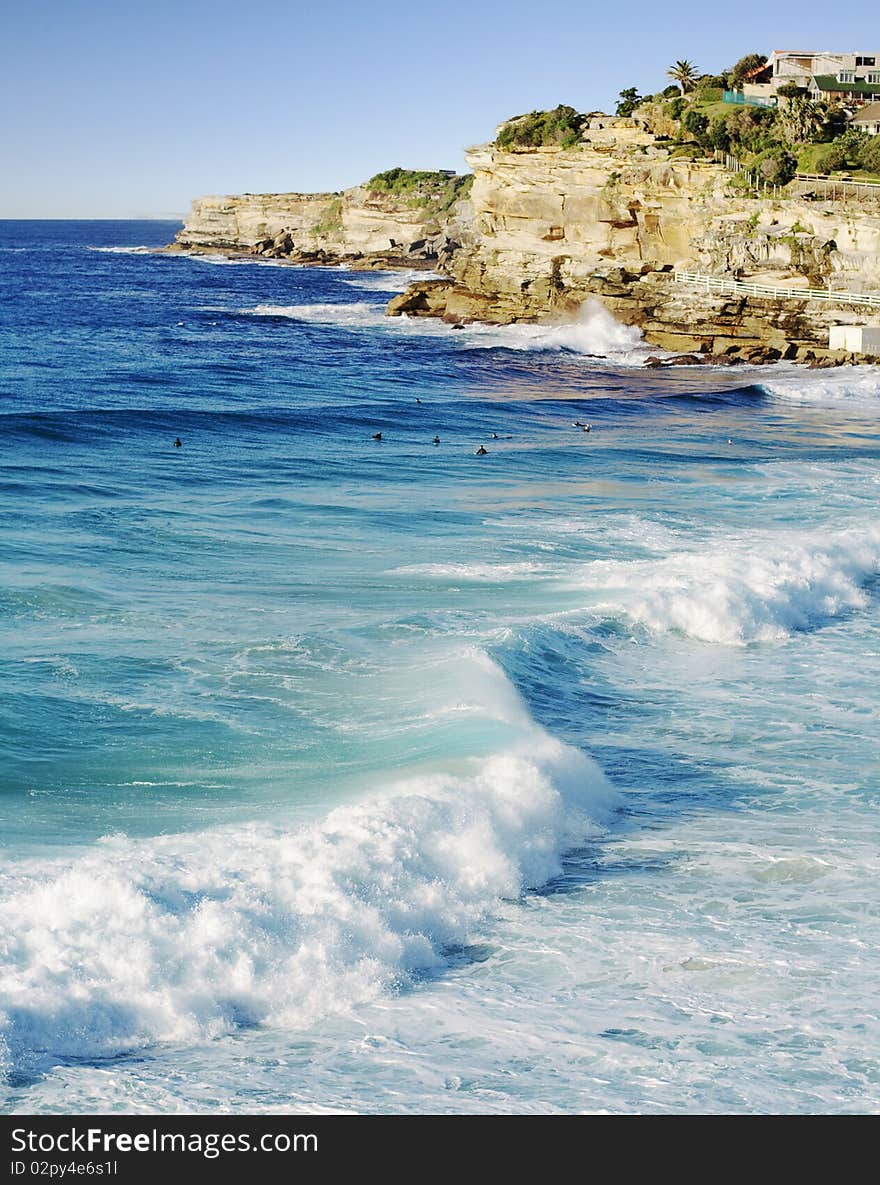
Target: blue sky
column 119, row 109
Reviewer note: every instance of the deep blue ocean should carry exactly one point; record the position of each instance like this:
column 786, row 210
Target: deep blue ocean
column 344, row 774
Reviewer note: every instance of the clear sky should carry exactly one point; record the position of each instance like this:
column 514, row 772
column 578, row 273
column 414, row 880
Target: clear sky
column 121, row 109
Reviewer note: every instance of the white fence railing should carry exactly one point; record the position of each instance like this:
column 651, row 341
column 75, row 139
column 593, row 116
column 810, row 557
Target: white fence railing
column 835, row 189
column 720, row 284
column 838, row 186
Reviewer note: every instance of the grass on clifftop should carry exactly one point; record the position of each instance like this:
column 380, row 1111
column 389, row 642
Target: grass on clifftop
column 438, row 191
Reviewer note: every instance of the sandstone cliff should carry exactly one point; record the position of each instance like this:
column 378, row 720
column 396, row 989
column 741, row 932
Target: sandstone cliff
column 545, row 228
column 356, row 223
column 611, row 218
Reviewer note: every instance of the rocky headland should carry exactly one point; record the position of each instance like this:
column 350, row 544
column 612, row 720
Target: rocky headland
column 540, row 230
column 397, row 219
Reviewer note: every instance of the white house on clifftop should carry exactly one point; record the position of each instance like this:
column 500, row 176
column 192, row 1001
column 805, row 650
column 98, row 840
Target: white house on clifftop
column 851, row 78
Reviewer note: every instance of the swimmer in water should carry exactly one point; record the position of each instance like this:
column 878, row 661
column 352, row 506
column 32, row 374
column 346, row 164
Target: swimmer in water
column 436, row 439
column 481, row 452
column 377, row 436
column 178, row 443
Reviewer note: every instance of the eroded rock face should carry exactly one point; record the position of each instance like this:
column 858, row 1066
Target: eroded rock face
column 550, row 228
column 353, row 223
column 545, row 229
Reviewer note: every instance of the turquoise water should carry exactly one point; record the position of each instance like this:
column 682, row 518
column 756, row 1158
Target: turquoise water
column 344, row 774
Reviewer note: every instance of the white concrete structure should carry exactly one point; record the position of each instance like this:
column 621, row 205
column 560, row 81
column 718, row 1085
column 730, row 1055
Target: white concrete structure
column 826, row 74
column 855, row 339
column 868, row 119
column 799, row 67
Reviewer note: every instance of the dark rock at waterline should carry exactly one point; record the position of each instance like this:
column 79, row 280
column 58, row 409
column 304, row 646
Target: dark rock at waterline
column 685, row 360
column 655, row 363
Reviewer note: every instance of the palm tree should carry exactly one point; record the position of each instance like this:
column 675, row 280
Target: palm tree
column 799, row 119
column 685, row 74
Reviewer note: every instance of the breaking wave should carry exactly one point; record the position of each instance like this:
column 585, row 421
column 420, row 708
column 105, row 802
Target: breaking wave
column 852, row 384
column 594, row 332
column 752, row 591
column 183, row 938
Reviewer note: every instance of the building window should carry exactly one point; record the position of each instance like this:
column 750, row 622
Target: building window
column 866, row 61
column 872, row 78
column 846, row 76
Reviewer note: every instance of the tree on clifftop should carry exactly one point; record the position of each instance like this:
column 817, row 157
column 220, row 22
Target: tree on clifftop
column 685, row 74
column 799, row 120
column 628, row 101
column 744, row 67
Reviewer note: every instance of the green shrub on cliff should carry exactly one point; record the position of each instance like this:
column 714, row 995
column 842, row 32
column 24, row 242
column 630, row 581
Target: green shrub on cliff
column 830, row 159
column 628, row 101
column 436, row 190
column 718, row 133
column 563, row 126
column 869, row 154
column 696, row 124
column 752, row 128
column 330, row 222
column 401, row 181
column 776, row 165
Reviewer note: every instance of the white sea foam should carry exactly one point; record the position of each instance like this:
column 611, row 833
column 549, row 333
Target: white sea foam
column 593, row 332
column 232, row 261
column 124, row 250
column 357, row 315
column 479, row 573
column 850, row 384
column 183, row 938
column 758, row 588
column 396, row 281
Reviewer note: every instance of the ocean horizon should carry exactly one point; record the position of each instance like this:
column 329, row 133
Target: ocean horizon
column 350, row 770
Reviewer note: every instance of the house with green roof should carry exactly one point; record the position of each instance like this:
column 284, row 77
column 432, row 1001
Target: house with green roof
column 848, row 78
column 852, row 86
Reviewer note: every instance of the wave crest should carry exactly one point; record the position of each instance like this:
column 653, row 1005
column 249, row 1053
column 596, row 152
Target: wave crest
column 593, row 332
column 184, row 938
column 750, row 592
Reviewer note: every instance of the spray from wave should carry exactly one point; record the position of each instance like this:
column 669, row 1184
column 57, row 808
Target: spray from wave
column 397, row 281
column 184, row 938
column 594, row 332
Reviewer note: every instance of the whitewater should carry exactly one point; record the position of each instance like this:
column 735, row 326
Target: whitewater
column 357, row 775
